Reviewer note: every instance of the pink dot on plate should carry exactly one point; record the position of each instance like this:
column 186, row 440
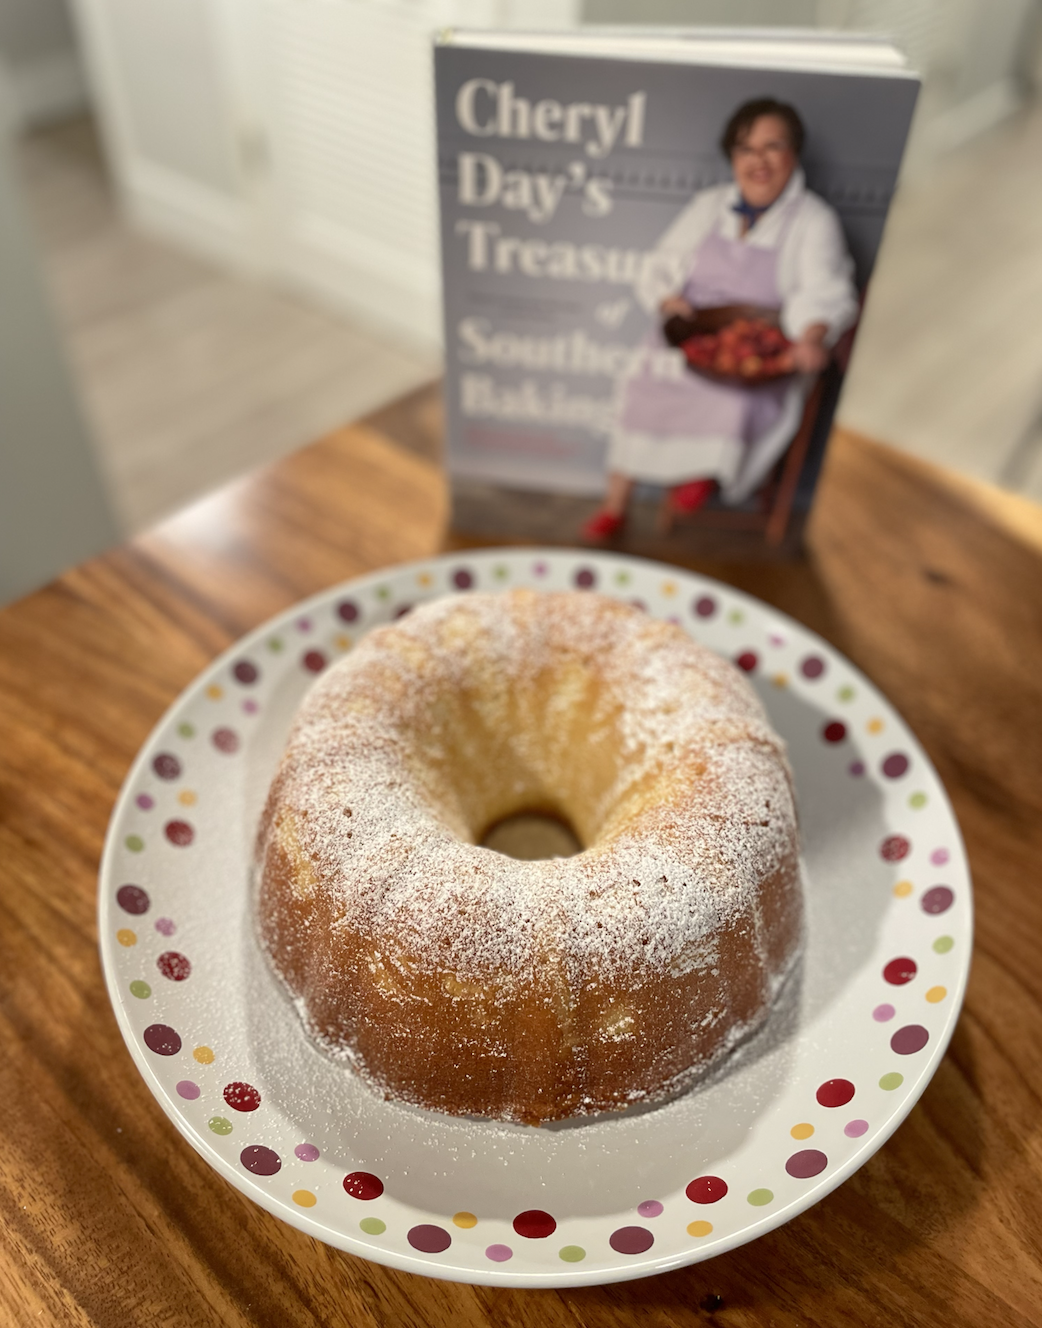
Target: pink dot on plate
column 188, row 1090
column 499, row 1253
column 166, row 926
column 856, row 768
column 939, row 857
column 540, row 569
column 855, row 1129
column 882, row 1013
column 429, row 1239
column 303, row 624
column 145, row 802
column 534, row 1224
column 306, row 1152
column 650, row 1208
column 900, row 971
column 250, row 706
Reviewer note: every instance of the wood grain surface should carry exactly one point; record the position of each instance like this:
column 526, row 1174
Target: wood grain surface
column 108, row 1217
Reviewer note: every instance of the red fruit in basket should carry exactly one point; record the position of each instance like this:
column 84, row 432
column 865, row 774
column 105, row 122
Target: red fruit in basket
column 725, row 362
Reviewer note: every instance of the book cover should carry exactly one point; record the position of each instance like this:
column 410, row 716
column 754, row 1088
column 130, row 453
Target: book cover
column 653, row 275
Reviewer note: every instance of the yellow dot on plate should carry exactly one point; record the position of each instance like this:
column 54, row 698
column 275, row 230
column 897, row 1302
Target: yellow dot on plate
column 465, row 1220
column 903, row 889
column 875, row 725
column 936, row 994
column 187, row 798
column 802, row 1131
column 669, row 587
column 780, row 680
column 304, row 1198
column 126, row 937
column 214, row 692
column 204, row 1055
column 342, row 642
column 699, row 1228
column 423, row 578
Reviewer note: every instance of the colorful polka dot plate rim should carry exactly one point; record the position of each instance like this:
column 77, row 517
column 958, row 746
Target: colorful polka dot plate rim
column 847, row 1053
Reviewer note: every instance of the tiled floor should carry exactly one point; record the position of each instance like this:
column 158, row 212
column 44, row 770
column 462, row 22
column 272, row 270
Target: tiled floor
column 190, row 376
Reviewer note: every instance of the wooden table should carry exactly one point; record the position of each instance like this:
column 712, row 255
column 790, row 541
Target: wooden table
column 930, row 584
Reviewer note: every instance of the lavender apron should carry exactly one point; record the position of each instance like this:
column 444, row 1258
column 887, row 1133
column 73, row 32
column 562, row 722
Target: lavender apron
column 672, row 430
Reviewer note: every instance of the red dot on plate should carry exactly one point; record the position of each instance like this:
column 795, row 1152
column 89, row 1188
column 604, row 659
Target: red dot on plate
column 706, row 1189
column 314, row 661
column 132, row 899
column 939, row 899
column 179, row 833
column 429, row 1239
column 534, row 1224
column 162, row 1039
column 835, row 1093
column 174, row 966
column 631, row 1240
column 747, row 661
column 166, row 765
column 246, row 672
column 910, row 1039
column 225, row 740
column 899, row 971
column 806, row 1163
column 894, row 848
column 363, row 1185
column 242, row 1097
column 895, row 765
column 834, row 731
column 261, row 1161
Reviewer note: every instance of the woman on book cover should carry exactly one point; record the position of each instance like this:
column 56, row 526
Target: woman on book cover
column 765, row 240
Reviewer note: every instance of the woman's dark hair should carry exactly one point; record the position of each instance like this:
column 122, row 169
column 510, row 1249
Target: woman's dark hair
column 746, row 116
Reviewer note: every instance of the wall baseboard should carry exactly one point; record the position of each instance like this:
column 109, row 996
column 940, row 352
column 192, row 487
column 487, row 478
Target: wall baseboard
column 48, row 88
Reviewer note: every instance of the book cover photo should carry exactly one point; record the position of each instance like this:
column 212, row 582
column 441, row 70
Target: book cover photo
column 654, row 267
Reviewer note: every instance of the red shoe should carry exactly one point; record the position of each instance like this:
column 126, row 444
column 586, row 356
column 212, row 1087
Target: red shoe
column 603, row 526
column 690, row 497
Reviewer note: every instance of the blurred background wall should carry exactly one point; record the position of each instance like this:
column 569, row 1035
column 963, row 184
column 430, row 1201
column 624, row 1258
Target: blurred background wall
column 234, row 202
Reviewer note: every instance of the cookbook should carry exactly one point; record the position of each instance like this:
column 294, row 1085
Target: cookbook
column 656, row 247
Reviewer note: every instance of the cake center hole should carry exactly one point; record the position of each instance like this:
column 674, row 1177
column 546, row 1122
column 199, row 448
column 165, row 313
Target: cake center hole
column 532, row 835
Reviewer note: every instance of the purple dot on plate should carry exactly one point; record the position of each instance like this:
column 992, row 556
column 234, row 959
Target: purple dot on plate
column 631, row 1240
column 250, row 706
column 165, row 926
column 162, row 1039
column 348, row 610
column 166, row 765
column 812, row 667
column 246, row 672
column 704, row 606
column 260, row 1160
column 895, row 765
column 747, row 661
column 306, row 1152
column 225, row 740
column 856, row 768
column 650, row 1208
column 939, row 899
column 855, row 1129
column 462, row 579
column 585, row 577
column 939, row 857
column 806, row 1163
column 314, row 661
column 499, row 1253
column 910, row 1039
column 132, row 899
column 883, row 1013
column 145, row 802
column 429, row 1239
column 540, row 569
column 187, row 1090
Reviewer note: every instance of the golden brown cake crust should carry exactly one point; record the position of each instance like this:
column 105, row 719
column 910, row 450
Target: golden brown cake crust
column 465, row 981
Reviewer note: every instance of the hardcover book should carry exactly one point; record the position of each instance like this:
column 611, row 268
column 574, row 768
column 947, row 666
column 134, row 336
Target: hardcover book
column 656, row 247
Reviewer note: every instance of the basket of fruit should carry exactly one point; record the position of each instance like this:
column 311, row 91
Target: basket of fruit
column 738, row 344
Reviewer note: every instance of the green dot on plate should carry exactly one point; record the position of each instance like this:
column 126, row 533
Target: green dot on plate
column 846, row 693
column 760, row 1197
column 501, row 573
column 621, row 579
column 372, row 1226
column 219, row 1125
column 140, row 989
column 275, row 644
column 573, row 1254
column 891, row 1081
column 383, row 592
column 737, row 616
column 135, row 843
column 917, row 800
column 186, row 730
column 943, row 944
